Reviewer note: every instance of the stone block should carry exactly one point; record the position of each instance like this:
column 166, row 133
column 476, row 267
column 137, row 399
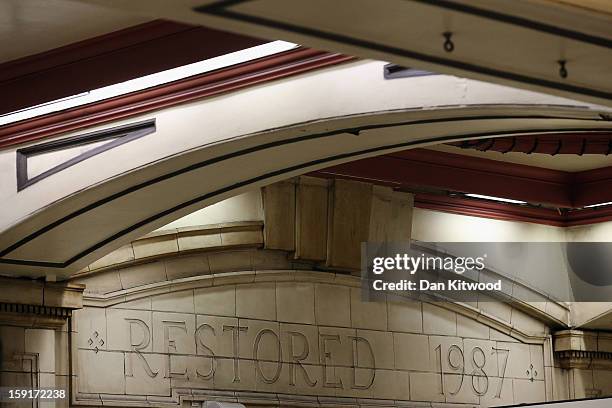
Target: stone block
column 128, row 328
column 381, row 344
column 260, row 340
column 410, row 352
column 526, row 391
column 181, row 301
column 230, row 261
column 367, row 315
column 519, row 361
column 165, row 244
column 198, row 239
column 235, row 374
column 21, row 291
column 332, row 305
column 42, row 342
column 218, row 300
column 118, row 256
column 425, row 387
column 300, row 341
column 143, row 274
column 101, row 372
column 295, row 302
column 311, row 219
column 279, row 215
column 405, row 316
column 437, row 320
column 173, row 333
column 215, row 333
column 336, row 346
column 101, row 282
column 141, row 382
column 186, row 266
column 90, row 324
column 471, row 328
column 256, row 301
column 349, row 221
column 13, row 341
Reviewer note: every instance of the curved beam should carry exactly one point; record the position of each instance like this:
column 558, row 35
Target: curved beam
column 208, row 150
column 543, row 46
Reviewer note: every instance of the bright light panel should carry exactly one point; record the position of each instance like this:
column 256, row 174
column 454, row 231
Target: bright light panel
column 598, row 205
column 149, row 81
column 503, row 200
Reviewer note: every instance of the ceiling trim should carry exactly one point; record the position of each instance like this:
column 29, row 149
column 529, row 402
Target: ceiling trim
column 240, row 76
column 109, row 59
column 578, row 144
column 489, row 209
column 422, row 168
column 510, row 212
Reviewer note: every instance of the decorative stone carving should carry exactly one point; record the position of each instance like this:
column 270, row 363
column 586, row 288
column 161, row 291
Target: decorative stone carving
column 197, row 355
column 583, row 349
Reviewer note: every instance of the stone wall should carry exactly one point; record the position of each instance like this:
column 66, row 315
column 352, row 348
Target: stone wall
column 289, row 337
column 262, row 307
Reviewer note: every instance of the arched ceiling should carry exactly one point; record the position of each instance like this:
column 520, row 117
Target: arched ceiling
column 562, row 48
column 204, row 151
column 226, row 137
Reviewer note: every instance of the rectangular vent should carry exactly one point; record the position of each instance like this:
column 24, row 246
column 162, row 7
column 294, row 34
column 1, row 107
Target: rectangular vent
column 393, row 71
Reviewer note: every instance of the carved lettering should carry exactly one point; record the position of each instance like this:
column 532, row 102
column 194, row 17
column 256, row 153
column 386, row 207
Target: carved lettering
column 356, row 341
column 256, row 356
column 455, row 358
column 236, row 347
column 325, row 357
column 136, row 347
column 208, row 351
column 170, row 347
column 297, row 359
column 467, row 367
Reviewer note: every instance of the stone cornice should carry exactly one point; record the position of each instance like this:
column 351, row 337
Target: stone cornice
column 38, row 304
column 66, row 295
column 583, row 349
column 179, row 241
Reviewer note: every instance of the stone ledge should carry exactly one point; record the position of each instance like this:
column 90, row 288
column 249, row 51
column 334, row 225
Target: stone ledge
column 583, row 349
column 38, row 293
column 177, row 241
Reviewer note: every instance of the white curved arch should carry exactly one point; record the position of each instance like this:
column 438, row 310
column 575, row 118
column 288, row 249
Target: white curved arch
column 208, row 150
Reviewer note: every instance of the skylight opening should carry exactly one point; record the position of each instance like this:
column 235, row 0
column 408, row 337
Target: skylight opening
column 148, row 81
column 500, row 199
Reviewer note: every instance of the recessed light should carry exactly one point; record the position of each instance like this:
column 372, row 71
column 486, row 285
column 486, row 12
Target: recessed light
column 598, row 205
column 500, row 199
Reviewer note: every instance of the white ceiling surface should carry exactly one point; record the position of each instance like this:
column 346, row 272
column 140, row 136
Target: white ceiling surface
column 345, row 96
column 30, row 27
column 563, row 162
column 418, row 27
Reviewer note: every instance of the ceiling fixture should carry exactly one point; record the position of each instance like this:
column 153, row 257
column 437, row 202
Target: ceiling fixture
column 491, row 198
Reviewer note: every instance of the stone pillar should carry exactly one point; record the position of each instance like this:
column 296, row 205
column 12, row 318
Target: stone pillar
column 34, row 334
column 587, row 357
column 325, row 221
